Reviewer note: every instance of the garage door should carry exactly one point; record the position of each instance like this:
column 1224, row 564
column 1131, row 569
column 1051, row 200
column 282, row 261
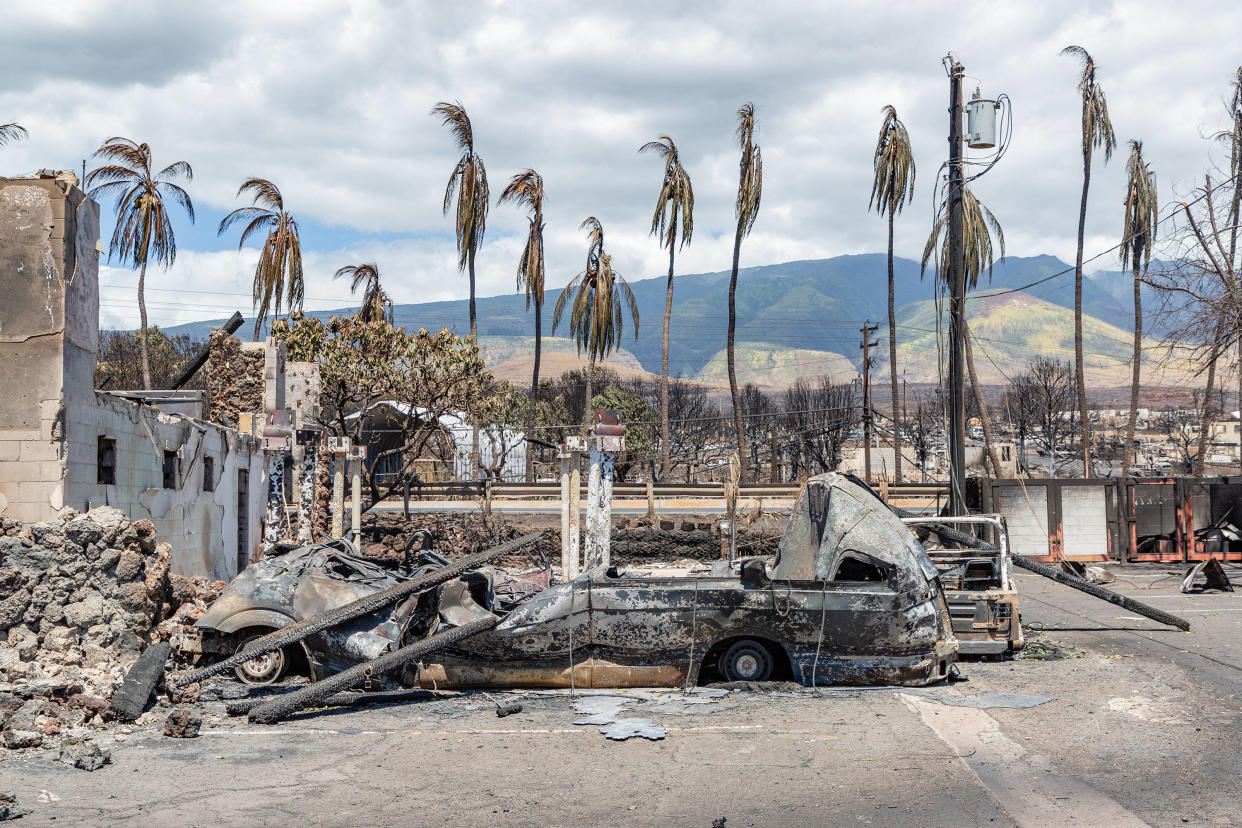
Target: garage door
column 1026, row 513
column 1084, row 521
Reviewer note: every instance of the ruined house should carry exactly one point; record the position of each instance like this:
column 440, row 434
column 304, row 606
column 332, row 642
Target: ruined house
column 65, row 445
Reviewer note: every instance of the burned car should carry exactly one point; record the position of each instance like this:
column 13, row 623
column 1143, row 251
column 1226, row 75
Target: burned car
column 851, row 597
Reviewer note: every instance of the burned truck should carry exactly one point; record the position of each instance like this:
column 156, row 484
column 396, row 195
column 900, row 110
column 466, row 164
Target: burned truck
column 851, row 597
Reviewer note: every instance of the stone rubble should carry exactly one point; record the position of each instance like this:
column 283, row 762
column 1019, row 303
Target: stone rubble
column 80, row 598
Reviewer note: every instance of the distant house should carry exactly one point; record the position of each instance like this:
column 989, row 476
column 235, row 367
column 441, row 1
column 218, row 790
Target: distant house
column 502, row 451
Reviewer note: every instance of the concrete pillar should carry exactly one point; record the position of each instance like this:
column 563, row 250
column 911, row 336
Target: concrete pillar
column 338, row 494
column 356, row 496
column 591, row 553
column 274, row 518
column 565, row 555
column 575, row 512
column 604, row 519
column 306, row 493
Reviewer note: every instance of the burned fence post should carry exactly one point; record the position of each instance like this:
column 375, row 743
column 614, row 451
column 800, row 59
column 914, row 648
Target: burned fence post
column 607, row 439
column 339, row 448
column 570, row 457
column 357, row 454
column 276, row 443
column 575, row 447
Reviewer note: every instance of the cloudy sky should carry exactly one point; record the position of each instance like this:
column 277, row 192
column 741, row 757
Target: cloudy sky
column 331, row 101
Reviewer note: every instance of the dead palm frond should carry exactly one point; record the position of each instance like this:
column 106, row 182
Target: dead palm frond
column 674, row 211
column 12, row 132
column 750, row 172
column 376, row 305
column 278, row 273
column 598, row 298
column 1097, row 129
column 1142, row 210
column 143, row 231
column 468, row 182
column 526, row 190
column 979, row 228
column 893, row 183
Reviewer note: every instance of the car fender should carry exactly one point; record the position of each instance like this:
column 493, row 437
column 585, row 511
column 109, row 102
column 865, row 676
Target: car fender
column 253, row 618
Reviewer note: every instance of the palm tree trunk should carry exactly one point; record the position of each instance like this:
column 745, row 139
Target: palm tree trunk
column 1132, row 420
column 474, row 334
column 984, row 416
column 1205, row 417
column 668, row 314
column 142, row 332
column 534, row 394
column 892, row 356
column 586, row 408
column 1080, row 380
column 743, row 455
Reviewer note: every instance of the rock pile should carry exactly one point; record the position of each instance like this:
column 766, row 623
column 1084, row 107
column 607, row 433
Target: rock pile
column 80, row 598
column 455, row 535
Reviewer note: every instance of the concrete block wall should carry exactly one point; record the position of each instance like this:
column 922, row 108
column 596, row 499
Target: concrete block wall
column 202, row 526
column 51, row 418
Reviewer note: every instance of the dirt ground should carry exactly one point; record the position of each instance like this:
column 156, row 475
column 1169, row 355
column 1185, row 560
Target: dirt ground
column 1113, row 720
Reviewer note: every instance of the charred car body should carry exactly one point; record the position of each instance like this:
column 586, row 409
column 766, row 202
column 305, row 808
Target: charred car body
column 850, row 598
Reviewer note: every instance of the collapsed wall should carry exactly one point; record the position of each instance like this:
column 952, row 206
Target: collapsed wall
column 235, row 381
column 80, row 599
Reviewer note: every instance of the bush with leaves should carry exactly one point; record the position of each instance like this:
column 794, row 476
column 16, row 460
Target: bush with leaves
column 418, row 379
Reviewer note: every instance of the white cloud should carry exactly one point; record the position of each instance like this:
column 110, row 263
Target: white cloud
column 331, row 101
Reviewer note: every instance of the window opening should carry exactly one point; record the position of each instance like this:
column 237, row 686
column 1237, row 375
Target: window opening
column 105, row 465
column 170, row 469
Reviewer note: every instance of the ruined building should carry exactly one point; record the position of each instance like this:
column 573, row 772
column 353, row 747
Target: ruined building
column 65, row 445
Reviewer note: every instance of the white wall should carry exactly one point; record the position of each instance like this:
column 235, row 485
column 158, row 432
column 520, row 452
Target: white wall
column 201, row 526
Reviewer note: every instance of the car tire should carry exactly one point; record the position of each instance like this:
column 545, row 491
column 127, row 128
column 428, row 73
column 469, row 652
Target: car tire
column 746, row 660
column 262, row 669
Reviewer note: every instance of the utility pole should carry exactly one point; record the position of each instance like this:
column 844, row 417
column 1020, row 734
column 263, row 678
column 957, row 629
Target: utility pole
column 866, row 345
column 957, row 299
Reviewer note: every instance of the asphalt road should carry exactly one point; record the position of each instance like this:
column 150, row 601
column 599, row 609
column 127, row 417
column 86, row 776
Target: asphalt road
column 1139, row 727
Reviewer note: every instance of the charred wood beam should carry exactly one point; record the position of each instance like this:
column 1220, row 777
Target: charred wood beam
column 351, row 699
column 235, row 322
column 368, row 604
column 284, row 705
column 948, row 533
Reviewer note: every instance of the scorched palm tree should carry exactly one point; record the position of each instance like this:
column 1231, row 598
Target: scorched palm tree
column 1138, row 233
column 526, row 190
column 979, row 227
column 746, row 210
column 143, row 230
column 891, row 189
column 673, row 224
column 278, row 273
column 1097, row 133
column 597, row 298
column 376, row 305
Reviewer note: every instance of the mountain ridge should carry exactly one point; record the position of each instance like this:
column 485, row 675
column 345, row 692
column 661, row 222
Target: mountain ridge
column 813, row 305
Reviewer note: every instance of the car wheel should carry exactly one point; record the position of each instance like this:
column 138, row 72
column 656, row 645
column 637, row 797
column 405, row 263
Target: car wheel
column 746, row 660
column 263, row 669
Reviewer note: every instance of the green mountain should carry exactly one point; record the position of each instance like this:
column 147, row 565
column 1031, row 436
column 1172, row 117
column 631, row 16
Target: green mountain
column 802, row 314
